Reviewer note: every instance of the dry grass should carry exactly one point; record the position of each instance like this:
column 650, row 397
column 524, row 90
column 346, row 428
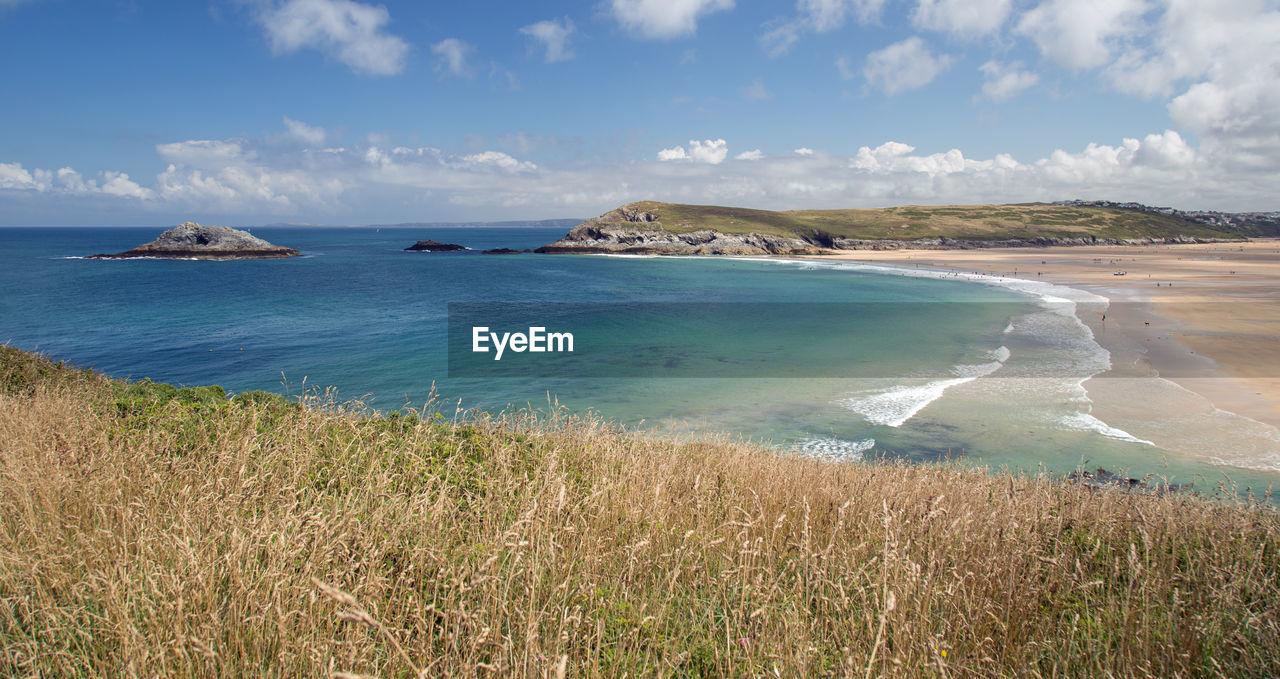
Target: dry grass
column 205, row 537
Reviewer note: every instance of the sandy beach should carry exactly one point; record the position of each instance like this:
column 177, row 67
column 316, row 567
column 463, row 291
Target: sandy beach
column 1205, row 317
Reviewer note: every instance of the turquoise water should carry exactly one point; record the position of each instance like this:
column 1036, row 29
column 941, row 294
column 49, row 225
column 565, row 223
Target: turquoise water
column 991, row 374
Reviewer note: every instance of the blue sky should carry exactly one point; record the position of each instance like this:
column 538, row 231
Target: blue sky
column 346, row 112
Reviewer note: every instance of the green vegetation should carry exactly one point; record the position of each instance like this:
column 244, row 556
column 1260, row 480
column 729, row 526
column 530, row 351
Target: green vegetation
column 156, row 531
column 961, row 222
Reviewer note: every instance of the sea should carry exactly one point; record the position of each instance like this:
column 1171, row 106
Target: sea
column 837, row 360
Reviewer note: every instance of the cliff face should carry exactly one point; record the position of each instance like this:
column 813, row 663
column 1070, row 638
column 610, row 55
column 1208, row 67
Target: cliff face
column 627, row 230
column 191, row 240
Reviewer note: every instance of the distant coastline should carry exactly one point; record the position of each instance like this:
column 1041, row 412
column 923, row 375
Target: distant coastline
column 671, row 229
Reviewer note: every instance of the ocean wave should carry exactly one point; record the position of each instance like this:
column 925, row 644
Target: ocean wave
column 1087, row 422
column 834, row 449
column 894, row 406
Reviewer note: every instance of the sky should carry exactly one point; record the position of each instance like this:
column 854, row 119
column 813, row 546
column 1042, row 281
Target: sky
column 247, row 112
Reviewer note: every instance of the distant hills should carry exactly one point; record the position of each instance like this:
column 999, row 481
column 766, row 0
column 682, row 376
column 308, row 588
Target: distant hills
column 669, row 228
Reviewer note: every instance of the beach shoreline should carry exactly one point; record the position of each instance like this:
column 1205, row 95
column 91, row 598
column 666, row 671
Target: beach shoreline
column 1203, row 317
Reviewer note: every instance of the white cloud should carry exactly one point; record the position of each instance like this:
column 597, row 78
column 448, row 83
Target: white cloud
column 200, row 152
column 1082, row 33
column 350, row 32
column 803, row 151
column 710, row 152
column 307, row 134
column 500, row 159
column 1002, row 81
column 71, row 180
column 554, row 36
column 903, row 66
column 1220, row 62
column 819, row 16
column 66, row 181
column 451, row 57
column 673, row 153
column 755, row 154
column 13, row 176
column 756, row 91
column 119, row 184
column 964, row 18
column 664, row 19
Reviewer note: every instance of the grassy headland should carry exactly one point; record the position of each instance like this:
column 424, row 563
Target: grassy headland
column 958, row 222
column 151, row 530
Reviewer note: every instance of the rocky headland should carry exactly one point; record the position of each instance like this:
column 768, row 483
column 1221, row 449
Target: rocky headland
column 669, row 229
column 194, row 241
column 627, row 230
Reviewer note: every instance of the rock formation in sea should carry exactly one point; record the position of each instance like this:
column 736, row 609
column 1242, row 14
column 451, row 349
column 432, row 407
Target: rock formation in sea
column 434, row 246
column 194, row 241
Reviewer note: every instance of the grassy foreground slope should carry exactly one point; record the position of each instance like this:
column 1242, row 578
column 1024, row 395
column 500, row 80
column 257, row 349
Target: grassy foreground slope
column 154, row 531
column 960, row 222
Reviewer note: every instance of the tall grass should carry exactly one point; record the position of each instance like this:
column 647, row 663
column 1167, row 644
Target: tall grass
column 147, row 531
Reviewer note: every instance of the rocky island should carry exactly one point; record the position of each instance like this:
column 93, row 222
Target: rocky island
column 671, row 229
column 434, row 246
column 194, row 241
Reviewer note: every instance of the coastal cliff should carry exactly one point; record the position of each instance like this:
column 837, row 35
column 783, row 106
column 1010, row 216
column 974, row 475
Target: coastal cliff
column 673, row 229
column 194, row 241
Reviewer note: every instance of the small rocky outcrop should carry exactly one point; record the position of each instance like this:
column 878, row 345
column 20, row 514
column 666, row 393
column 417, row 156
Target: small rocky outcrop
column 435, row 246
column 502, row 251
column 629, row 230
column 194, row 241
column 1103, row 479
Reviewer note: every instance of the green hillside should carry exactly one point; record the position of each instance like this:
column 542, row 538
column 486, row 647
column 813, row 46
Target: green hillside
column 962, row 222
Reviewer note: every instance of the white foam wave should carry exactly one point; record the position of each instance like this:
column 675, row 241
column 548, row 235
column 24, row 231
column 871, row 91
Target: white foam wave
column 896, row 405
column 1087, row 422
column 834, row 449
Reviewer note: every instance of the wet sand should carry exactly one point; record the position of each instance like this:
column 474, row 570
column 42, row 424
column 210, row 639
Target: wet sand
column 1205, row 317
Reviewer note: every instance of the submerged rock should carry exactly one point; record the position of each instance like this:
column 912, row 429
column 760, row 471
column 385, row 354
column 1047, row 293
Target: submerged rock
column 193, row 241
column 434, row 246
column 502, row 251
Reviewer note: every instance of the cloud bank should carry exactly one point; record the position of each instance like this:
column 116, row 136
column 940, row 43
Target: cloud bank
column 286, row 176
